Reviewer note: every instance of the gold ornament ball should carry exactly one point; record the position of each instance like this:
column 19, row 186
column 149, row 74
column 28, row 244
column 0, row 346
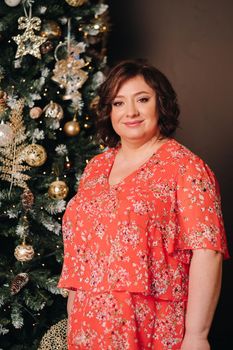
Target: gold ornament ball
column 24, row 252
column 64, row 292
column 58, row 190
column 76, row 3
column 50, row 30
column 53, row 110
column 35, row 112
column 35, row 155
column 72, row 128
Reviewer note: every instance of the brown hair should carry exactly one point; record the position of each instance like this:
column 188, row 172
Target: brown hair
column 167, row 105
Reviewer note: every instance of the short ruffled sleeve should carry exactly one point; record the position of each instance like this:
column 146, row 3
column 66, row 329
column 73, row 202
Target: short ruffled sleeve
column 198, row 209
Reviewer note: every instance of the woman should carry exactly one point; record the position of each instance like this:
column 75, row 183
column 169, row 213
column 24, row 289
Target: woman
column 144, row 237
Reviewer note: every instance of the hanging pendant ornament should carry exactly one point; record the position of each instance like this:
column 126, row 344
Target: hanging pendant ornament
column 68, row 72
column 19, row 282
column 12, row 3
column 58, row 190
column 29, row 43
column 53, row 110
column 72, row 128
column 76, row 3
column 6, row 134
column 35, row 155
column 24, row 252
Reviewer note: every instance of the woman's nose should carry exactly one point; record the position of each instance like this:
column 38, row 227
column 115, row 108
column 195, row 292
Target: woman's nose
column 132, row 110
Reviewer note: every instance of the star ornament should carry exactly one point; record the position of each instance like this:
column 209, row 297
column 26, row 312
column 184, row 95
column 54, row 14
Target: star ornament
column 29, row 43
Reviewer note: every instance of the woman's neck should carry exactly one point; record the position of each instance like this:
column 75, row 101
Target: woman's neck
column 130, row 151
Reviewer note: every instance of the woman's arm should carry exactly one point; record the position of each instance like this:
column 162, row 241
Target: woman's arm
column 70, row 301
column 204, row 289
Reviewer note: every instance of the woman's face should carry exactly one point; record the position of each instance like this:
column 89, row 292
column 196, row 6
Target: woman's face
column 134, row 114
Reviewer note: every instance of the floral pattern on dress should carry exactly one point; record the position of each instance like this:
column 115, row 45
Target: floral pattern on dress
column 128, row 248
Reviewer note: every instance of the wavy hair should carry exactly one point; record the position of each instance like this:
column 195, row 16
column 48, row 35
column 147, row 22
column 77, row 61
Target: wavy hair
column 166, row 99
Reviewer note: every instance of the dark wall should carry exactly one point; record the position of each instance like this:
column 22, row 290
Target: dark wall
column 192, row 43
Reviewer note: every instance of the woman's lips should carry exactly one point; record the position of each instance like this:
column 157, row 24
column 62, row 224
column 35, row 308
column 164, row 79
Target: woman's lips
column 133, row 123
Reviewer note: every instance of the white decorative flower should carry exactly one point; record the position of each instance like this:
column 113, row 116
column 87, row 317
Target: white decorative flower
column 61, row 150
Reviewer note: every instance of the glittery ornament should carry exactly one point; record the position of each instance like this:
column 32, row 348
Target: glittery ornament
column 76, row 3
column 6, row 135
column 72, row 128
column 69, row 75
column 50, row 29
column 27, row 199
column 35, row 112
column 35, row 155
column 29, row 43
column 46, row 47
column 12, row 3
column 55, row 337
column 58, row 190
column 19, row 282
column 53, row 110
column 24, row 252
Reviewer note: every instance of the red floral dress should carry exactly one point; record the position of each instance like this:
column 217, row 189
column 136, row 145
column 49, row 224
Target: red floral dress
column 128, row 248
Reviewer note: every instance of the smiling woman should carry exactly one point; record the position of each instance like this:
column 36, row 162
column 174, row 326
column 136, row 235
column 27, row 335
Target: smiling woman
column 145, row 229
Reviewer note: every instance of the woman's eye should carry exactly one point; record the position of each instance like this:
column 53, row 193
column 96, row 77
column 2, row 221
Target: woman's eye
column 117, row 103
column 143, row 99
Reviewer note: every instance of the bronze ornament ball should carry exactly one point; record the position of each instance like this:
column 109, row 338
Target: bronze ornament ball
column 24, row 252
column 35, row 155
column 72, row 128
column 58, row 190
column 50, row 30
column 35, row 112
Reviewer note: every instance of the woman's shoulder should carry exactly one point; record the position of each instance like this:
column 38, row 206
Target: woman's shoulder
column 188, row 162
column 183, row 154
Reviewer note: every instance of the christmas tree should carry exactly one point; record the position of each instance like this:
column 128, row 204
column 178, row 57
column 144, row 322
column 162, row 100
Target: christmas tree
column 53, row 58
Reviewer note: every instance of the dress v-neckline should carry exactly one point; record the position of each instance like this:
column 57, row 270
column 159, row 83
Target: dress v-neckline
column 134, row 172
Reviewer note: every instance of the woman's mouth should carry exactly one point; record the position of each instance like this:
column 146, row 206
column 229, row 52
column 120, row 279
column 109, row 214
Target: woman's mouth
column 133, row 123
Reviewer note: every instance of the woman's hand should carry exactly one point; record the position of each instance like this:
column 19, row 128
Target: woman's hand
column 195, row 343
